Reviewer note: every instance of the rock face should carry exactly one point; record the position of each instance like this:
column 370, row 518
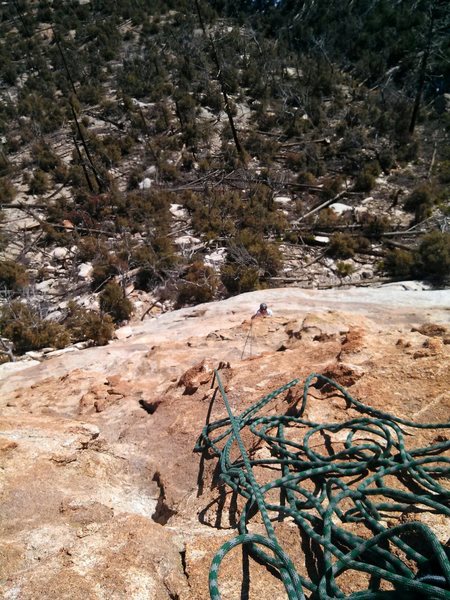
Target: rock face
column 102, row 496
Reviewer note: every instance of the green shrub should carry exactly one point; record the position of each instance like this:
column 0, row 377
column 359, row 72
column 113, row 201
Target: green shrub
column 7, row 190
column 386, row 159
column 113, row 301
column 375, row 226
column 200, row 285
column 13, row 275
column 344, row 269
column 365, row 181
column 432, row 259
column 39, row 183
column 102, row 272
column 88, row 325
column 443, row 171
column 44, row 157
column 332, row 186
column 23, row 325
column 326, row 219
column 420, row 202
column 260, row 146
column 408, row 152
column 342, row 245
column 239, row 278
column 398, row 263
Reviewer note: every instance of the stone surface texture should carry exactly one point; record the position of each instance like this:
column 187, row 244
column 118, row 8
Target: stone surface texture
column 101, row 495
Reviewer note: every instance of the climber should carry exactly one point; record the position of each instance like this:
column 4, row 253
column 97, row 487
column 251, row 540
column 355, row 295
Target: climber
column 262, row 311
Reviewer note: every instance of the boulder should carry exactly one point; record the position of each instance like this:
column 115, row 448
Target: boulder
column 145, row 184
column 85, row 270
column 341, row 209
column 124, row 332
column 60, row 253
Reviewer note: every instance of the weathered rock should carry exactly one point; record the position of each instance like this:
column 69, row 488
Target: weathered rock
column 12, row 367
column 197, row 375
column 145, row 184
column 85, row 496
column 123, row 333
column 85, row 270
column 431, row 329
column 45, row 286
column 60, row 253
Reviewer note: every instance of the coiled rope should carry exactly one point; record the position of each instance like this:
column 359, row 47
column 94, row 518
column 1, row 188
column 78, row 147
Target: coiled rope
column 351, row 485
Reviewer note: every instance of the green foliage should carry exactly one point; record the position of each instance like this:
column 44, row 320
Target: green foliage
column 432, row 259
column 374, row 226
column 27, row 330
column 44, row 157
column 113, row 301
column 103, row 270
column 238, row 279
column 365, row 181
column 88, row 325
column 386, row 159
column 7, row 190
column 344, row 269
column 332, row 186
column 399, row 263
column 327, row 219
column 39, row 183
column 154, row 260
column 200, row 285
column 342, row 245
column 408, row 151
column 443, row 171
column 420, row 202
column 261, row 147
column 13, row 275
column 250, row 260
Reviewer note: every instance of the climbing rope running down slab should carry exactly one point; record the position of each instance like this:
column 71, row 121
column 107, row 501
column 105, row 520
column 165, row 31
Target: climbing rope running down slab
column 338, row 482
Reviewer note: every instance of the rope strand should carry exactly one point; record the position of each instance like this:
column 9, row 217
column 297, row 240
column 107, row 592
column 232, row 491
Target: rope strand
column 408, row 556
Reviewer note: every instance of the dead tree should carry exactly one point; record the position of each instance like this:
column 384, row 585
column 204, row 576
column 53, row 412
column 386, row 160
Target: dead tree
column 222, row 83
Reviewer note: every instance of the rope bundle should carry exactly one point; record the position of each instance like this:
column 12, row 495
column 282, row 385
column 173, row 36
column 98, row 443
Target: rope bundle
column 322, row 492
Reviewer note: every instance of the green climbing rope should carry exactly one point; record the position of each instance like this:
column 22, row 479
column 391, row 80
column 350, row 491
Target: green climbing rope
column 324, row 492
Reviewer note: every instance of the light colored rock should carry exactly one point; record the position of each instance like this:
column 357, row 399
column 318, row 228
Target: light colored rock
column 292, row 72
column 85, row 270
column 56, row 353
column 322, row 239
column 34, row 354
column 282, row 199
column 81, row 345
column 12, row 367
column 123, row 332
column 45, row 286
column 55, row 315
column 178, row 211
column 60, row 253
column 340, row 209
column 216, row 258
column 411, row 286
column 84, row 482
column 47, row 349
column 186, row 240
column 145, row 184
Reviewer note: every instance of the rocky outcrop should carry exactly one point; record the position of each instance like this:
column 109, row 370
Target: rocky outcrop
column 102, row 495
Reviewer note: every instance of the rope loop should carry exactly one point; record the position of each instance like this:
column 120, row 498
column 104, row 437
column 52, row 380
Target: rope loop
column 350, row 480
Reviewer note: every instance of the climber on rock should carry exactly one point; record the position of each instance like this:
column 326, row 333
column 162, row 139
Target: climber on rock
column 262, row 311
